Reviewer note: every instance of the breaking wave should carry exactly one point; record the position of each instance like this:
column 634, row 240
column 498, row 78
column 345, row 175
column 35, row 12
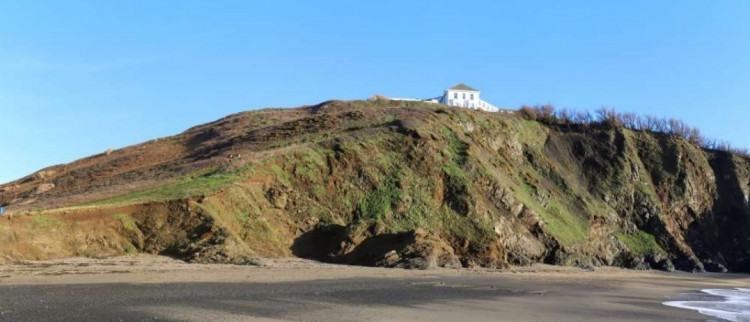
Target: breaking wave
column 727, row 304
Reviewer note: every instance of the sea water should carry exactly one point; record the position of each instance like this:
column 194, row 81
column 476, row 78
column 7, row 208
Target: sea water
column 727, row 304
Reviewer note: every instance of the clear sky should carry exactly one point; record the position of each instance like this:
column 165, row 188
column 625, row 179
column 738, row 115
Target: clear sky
column 78, row 77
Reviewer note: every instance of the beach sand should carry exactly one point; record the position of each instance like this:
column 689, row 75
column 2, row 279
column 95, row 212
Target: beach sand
column 147, row 287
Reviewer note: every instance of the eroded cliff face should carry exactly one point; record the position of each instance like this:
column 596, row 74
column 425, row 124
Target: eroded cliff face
column 401, row 184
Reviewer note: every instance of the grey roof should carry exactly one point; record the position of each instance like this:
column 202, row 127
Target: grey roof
column 463, row 87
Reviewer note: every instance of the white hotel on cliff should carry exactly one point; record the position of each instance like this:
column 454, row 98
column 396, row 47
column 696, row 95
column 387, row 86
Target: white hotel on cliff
column 459, row 95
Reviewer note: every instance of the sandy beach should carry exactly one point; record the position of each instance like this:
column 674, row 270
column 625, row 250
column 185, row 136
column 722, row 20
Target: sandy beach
column 157, row 288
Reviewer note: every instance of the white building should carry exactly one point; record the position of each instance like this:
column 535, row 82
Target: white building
column 464, row 96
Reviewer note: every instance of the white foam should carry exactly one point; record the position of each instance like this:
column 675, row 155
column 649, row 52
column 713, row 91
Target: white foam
column 735, row 305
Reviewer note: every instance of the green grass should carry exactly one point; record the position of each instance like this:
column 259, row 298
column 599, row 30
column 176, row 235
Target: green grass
column 281, row 175
column 411, row 194
column 187, row 187
column 475, row 230
column 308, row 164
column 241, row 204
column 241, row 211
column 127, row 222
column 531, row 132
column 318, row 191
column 378, row 203
column 456, row 149
column 130, row 249
column 566, row 227
column 598, row 208
column 639, row 242
column 43, row 222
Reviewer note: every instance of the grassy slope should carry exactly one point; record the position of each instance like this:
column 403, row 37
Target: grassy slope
column 391, row 190
column 431, row 167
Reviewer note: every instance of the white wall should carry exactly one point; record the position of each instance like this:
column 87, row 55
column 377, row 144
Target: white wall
column 448, row 98
column 461, row 98
column 487, row 107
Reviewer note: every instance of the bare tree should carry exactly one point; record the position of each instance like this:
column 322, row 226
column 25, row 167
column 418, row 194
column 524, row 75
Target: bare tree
column 694, row 136
column 583, row 118
column 547, row 111
column 608, row 116
column 529, row 113
column 564, row 116
column 629, row 120
column 661, row 126
column 648, row 123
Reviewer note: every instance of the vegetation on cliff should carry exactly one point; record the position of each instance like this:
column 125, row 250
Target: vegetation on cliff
column 404, row 184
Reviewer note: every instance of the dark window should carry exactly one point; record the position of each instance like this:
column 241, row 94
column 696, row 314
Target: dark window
column 472, row 96
column 455, row 95
column 464, row 95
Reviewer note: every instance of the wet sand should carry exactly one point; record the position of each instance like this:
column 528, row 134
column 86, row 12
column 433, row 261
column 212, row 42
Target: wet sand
column 148, row 288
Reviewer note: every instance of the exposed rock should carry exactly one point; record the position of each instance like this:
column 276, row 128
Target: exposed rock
column 522, row 247
column 638, row 263
column 44, row 187
column 531, row 218
column 390, row 259
column 665, row 265
column 44, row 174
column 277, row 197
column 421, row 251
column 510, row 147
column 712, row 266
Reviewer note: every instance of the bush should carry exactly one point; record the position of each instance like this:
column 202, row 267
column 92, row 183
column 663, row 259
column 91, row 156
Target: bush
column 647, row 123
column 529, row 113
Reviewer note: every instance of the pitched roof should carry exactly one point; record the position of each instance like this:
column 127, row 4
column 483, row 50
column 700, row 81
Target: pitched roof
column 463, row 87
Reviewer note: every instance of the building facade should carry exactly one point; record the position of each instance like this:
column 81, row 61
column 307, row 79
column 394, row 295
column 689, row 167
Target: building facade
column 464, row 96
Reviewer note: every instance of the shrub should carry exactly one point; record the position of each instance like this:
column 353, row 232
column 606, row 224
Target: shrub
column 647, row 123
column 529, row 113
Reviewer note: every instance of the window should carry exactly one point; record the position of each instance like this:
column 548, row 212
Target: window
column 455, row 95
column 464, row 95
column 472, row 96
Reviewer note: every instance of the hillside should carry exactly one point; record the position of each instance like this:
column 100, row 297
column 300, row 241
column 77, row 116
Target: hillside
column 397, row 184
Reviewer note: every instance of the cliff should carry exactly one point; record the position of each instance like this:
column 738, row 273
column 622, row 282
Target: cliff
column 398, row 184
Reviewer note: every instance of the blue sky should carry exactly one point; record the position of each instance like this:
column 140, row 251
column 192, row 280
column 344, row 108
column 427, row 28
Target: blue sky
column 78, row 77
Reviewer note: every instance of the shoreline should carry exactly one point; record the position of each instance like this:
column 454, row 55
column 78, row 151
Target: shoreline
column 129, row 268
column 539, row 292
